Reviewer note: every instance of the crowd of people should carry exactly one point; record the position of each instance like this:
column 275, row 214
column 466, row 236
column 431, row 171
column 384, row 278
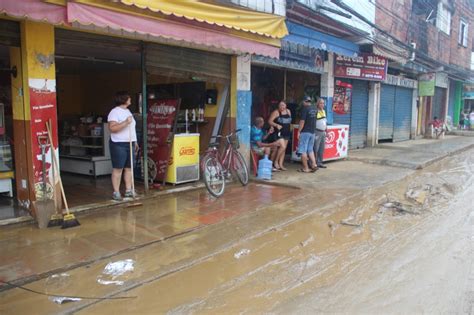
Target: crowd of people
column 273, row 140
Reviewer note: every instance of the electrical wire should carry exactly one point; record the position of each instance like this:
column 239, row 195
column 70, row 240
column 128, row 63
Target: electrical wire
column 67, row 296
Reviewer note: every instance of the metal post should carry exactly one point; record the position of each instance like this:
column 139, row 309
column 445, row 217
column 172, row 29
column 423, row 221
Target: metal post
column 284, row 85
column 144, row 119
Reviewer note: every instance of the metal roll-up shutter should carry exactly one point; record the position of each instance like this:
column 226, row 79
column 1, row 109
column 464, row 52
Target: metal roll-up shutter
column 387, row 105
column 187, row 63
column 359, row 114
column 439, row 103
column 402, row 114
column 10, row 33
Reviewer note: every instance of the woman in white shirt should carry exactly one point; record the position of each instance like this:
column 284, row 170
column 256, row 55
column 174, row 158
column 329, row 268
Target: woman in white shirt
column 122, row 131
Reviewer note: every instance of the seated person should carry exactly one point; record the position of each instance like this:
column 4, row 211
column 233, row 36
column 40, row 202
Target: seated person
column 438, row 127
column 258, row 137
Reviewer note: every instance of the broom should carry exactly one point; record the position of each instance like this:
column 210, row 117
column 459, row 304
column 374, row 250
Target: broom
column 134, row 204
column 56, row 218
column 69, row 220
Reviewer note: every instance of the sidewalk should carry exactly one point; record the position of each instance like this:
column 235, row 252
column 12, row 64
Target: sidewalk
column 412, row 154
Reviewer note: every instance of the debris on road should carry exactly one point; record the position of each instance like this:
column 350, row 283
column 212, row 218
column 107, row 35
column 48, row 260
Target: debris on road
column 242, row 252
column 114, row 270
column 399, row 207
column 63, row 299
column 349, row 223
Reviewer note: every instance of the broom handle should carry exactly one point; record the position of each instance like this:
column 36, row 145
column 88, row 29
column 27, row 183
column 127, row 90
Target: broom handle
column 131, row 159
column 56, row 164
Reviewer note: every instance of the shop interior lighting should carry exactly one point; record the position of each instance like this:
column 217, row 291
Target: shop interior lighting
column 92, row 59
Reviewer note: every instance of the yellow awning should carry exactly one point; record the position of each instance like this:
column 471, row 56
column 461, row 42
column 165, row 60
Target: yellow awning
column 230, row 17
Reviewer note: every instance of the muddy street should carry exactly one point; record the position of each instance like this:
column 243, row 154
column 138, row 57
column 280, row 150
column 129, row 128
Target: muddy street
column 404, row 246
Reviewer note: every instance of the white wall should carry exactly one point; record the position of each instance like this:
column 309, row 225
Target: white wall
column 472, row 60
column 363, row 7
column 277, row 7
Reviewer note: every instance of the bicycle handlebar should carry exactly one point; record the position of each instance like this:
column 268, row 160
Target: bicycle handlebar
column 227, row 136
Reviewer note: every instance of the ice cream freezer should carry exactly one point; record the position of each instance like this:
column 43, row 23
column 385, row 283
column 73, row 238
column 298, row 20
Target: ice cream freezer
column 183, row 165
column 337, row 143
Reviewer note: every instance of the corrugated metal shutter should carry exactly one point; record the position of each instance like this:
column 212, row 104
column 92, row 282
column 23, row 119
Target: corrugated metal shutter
column 452, row 98
column 387, row 105
column 74, row 42
column 9, row 33
column 438, row 103
column 402, row 114
column 356, row 118
column 359, row 113
column 187, row 63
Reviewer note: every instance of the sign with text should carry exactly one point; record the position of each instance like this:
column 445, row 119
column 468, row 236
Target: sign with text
column 364, row 67
column 161, row 116
column 43, row 108
column 341, row 103
column 426, row 84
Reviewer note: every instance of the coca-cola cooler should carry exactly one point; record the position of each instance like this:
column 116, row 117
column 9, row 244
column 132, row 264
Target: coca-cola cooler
column 337, row 143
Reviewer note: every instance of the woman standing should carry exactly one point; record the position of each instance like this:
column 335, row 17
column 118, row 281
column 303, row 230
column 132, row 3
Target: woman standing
column 122, row 131
column 280, row 119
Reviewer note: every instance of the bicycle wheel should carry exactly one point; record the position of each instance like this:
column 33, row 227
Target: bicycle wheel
column 239, row 167
column 213, row 174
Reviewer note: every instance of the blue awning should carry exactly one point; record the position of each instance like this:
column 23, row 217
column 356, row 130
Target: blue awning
column 303, row 35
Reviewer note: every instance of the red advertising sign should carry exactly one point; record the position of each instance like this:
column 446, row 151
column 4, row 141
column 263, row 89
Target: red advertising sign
column 161, row 116
column 365, row 67
column 341, row 103
column 336, row 145
column 43, row 108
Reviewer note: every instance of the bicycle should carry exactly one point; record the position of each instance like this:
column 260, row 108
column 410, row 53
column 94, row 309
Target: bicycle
column 217, row 167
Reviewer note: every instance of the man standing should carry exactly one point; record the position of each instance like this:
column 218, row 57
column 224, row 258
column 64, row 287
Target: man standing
column 320, row 133
column 306, row 135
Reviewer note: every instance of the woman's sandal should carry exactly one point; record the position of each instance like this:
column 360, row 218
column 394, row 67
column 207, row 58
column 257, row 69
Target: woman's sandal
column 303, row 171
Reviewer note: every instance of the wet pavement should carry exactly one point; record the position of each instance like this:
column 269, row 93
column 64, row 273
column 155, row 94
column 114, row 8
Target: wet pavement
column 413, row 154
column 357, row 238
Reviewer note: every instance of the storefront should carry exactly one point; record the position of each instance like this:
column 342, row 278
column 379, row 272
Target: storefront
column 433, row 100
column 351, row 93
column 12, row 124
column 396, row 107
column 168, row 65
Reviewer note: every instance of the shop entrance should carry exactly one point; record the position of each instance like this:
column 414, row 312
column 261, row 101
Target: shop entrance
column 185, row 89
column 9, row 207
column 271, row 85
column 90, row 70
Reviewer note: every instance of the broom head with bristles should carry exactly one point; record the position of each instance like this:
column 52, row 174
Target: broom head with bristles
column 56, row 220
column 69, row 221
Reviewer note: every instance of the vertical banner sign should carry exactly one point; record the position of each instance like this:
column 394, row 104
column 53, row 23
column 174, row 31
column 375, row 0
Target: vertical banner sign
column 426, row 84
column 363, row 67
column 43, row 108
column 341, row 103
column 161, row 116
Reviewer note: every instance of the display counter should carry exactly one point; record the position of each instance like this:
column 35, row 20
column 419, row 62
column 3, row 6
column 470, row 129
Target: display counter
column 183, row 165
column 337, row 143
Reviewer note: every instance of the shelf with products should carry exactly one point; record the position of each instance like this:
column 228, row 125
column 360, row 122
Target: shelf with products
column 84, row 149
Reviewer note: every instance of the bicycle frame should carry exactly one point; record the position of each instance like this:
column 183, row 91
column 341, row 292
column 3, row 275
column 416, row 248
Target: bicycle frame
column 226, row 158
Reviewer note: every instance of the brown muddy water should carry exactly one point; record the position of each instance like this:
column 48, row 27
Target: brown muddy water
column 404, row 247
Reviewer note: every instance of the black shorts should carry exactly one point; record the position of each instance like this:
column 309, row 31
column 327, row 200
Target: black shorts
column 120, row 154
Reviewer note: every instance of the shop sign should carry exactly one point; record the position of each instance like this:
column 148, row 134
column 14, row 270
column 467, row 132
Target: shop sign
column 426, row 84
column 161, row 116
column 341, row 103
column 364, row 67
column 43, row 108
column 400, row 81
column 442, row 80
column 302, row 57
column 468, row 91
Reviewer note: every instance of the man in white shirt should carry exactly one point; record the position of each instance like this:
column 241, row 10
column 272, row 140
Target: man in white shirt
column 320, row 133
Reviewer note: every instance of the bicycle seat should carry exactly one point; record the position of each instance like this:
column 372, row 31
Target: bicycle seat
column 213, row 145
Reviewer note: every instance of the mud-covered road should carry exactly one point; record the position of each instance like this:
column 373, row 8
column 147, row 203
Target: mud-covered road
column 405, row 247
column 402, row 247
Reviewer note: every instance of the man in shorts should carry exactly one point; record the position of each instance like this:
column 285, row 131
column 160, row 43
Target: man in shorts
column 307, row 128
column 258, row 137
